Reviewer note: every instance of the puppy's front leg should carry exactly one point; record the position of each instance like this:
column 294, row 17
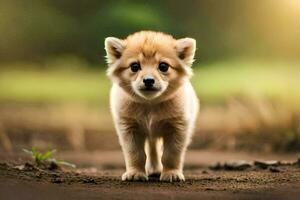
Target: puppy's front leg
column 132, row 140
column 175, row 141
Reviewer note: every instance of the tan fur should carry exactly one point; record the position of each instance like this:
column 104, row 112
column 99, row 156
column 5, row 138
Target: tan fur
column 154, row 128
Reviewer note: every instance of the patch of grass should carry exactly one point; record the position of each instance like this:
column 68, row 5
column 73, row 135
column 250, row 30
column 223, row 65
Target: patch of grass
column 47, row 158
column 214, row 83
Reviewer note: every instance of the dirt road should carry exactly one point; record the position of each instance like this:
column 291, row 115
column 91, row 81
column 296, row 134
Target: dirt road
column 33, row 183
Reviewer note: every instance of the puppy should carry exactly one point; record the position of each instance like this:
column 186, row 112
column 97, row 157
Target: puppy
column 153, row 103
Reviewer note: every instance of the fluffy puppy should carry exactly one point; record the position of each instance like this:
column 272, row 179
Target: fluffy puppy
column 153, row 103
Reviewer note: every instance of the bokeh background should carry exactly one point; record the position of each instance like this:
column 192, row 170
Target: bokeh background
column 54, row 92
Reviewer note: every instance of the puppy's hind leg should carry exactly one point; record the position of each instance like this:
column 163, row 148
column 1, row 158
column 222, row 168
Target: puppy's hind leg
column 154, row 152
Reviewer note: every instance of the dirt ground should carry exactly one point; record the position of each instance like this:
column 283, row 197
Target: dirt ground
column 98, row 177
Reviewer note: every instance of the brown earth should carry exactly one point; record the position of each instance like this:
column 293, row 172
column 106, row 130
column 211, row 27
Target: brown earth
column 19, row 181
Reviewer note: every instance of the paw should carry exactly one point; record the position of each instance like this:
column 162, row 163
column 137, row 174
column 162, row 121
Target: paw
column 134, row 176
column 172, row 176
column 154, row 171
column 154, row 175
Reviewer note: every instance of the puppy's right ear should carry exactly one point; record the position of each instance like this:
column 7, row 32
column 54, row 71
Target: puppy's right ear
column 114, row 48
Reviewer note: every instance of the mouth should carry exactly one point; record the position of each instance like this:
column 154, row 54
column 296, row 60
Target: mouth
column 149, row 92
column 149, row 89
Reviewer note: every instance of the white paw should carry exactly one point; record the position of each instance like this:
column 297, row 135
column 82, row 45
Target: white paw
column 172, row 176
column 154, row 171
column 134, row 175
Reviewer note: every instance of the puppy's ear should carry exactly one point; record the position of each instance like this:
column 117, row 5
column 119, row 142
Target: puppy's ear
column 114, row 48
column 186, row 48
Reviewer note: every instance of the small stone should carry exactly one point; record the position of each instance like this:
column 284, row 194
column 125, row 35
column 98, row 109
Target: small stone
column 19, row 167
column 266, row 164
column 238, row 166
column 274, row 169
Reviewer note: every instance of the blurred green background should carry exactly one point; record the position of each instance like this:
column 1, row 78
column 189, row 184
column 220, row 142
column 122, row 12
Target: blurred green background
column 52, row 50
column 52, row 69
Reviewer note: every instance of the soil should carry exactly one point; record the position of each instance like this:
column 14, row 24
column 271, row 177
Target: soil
column 20, row 179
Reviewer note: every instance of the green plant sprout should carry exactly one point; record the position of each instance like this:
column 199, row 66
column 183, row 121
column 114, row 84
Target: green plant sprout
column 47, row 158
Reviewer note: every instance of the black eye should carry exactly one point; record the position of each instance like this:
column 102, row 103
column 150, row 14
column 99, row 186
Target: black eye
column 135, row 67
column 163, row 67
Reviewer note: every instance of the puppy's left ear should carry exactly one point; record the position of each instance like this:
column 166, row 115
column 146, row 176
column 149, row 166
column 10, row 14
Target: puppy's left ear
column 114, row 48
column 186, row 48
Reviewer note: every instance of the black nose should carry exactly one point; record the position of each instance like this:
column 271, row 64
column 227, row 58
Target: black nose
column 148, row 81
